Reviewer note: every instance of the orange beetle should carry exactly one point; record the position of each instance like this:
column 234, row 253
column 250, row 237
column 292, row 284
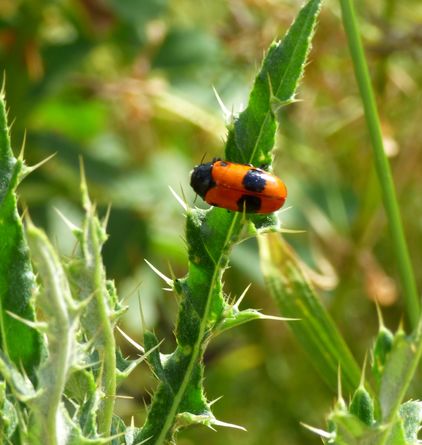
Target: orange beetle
column 238, row 187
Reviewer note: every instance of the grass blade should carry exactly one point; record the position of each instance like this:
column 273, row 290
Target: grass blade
column 296, row 298
column 407, row 278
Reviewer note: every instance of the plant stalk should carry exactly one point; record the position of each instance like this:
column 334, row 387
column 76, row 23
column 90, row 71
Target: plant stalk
column 200, row 342
column 108, row 352
column 407, row 278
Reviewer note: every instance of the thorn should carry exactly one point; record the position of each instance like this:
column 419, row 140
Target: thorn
column 179, row 199
column 285, row 209
column 70, row 225
column 28, row 221
column 293, row 231
column 215, row 401
column 270, row 86
column 182, row 192
column 244, row 219
column 401, row 325
column 42, row 326
column 132, row 292
column 131, row 341
column 119, row 396
column 24, row 213
column 74, row 249
column 110, row 439
column 28, row 170
column 147, row 354
column 275, row 318
column 3, row 85
column 89, row 365
column 86, row 203
column 79, row 306
column 168, row 280
column 277, row 103
column 25, row 375
column 227, row 114
column 144, row 441
column 141, row 313
column 145, row 402
column 379, row 313
column 320, row 432
column 228, row 425
column 91, row 341
column 172, row 274
column 22, row 152
column 106, row 217
column 362, row 377
column 12, row 123
column 242, row 296
column 72, row 402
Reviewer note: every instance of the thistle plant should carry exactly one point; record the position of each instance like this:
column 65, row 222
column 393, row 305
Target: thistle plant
column 210, row 234
column 60, row 379
column 61, row 369
column 67, row 396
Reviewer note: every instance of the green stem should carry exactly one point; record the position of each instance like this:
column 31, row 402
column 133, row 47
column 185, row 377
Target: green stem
column 56, row 303
column 108, row 352
column 200, row 342
column 411, row 297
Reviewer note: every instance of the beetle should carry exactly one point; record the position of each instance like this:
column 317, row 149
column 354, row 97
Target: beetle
column 238, row 187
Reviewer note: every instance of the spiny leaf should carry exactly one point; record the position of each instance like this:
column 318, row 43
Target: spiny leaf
column 20, row 342
column 233, row 319
column 251, row 137
column 211, row 234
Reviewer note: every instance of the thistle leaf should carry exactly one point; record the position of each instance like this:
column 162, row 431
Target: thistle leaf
column 211, row 234
column 252, row 135
column 19, row 341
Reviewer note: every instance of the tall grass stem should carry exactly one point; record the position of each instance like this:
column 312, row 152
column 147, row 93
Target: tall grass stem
column 407, row 278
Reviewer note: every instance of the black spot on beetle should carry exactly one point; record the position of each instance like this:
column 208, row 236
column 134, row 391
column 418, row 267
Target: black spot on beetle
column 253, row 181
column 249, row 203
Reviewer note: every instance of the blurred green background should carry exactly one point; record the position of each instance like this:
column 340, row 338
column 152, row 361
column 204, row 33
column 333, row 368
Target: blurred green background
column 127, row 85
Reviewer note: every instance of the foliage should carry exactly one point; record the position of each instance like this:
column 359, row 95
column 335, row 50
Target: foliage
column 19, row 342
column 126, row 85
column 78, row 363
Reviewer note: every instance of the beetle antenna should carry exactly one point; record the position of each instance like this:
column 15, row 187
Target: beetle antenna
column 203, row 157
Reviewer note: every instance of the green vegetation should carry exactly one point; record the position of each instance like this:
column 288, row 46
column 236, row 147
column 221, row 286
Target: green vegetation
column 120, row 93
